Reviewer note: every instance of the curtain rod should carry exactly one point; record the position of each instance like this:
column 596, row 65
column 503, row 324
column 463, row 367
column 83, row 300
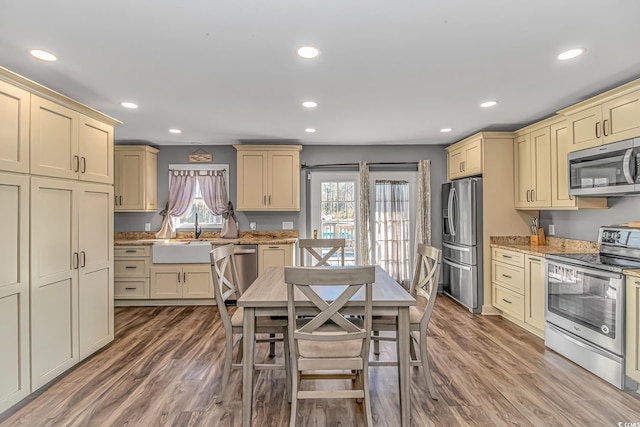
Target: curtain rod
column 332, row 165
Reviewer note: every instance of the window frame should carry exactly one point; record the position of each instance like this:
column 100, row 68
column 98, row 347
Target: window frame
column 199, row 167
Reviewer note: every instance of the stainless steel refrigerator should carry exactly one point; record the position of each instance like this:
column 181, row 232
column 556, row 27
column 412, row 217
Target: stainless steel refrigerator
column 462, row 242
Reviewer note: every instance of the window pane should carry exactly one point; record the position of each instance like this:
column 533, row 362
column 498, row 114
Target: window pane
column 206, row 218
column 337, row 209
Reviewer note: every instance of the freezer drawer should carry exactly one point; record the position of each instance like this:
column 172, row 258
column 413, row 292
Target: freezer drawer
column 461, row 254
column 461, row 284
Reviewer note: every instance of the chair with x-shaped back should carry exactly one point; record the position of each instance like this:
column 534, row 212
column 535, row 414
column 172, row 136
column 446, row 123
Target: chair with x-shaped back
column 326, row 247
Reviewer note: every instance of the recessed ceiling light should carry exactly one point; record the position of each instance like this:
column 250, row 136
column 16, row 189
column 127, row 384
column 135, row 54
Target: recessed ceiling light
column 488, row 104
column 570, row 54
column 175, row 131
column 129, row 105
column 443, row 130
column 309, row 104
column 308, row 52
column 310, row 130
column 43, row 55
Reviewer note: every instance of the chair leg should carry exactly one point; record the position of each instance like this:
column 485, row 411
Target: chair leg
column 294, row 399
column 412, row 348
column 238, row 358
column 287, row 364
column 356, row 384
column 272, row 346
column 367, row 399
column 424, row 355
column 228, row 355
column 376, row 343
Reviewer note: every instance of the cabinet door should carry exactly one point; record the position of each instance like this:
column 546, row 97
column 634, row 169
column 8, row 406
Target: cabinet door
column 534, row 292
column 274, row 256
column 95, row 295
column 95, row 150
column 54, row 278
column 472, row 158
column 14, row 128
column 523, row 173
column 541, row 168
column 283, row 180
column 252, row 180
column 197, row 281
column 585, row 129
column 14, row 290
column 150, row 181
column 166, row 282
column 621, row 118
column 559, row 167
column 633, row 328
column 129, row 181
column 454, row 160
column 54, row 139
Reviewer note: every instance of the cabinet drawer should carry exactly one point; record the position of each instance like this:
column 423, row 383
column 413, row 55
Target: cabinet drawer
column 508, row 276
column 131, row 289
column 508, row 257
column 508, row 301
column 131, row 267
column 132, row 251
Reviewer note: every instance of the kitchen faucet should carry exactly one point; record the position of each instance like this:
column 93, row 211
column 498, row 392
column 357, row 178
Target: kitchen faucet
column 198, row 232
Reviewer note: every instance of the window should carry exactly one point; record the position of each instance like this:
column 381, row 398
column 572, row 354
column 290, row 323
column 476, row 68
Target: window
column 206, row 219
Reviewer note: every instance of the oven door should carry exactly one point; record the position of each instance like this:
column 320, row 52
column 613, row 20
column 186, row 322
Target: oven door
column 603, row 170
column 586, row 302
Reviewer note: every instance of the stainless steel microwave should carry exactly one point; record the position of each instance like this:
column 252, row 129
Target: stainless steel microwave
column 606, row 170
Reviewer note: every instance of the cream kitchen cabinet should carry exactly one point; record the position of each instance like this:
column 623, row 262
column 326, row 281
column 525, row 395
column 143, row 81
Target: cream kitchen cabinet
column 14, row 290
column 632, row 358
column 181, row 281
column 14, row 126
column 518, row 288
column 68, row 144
column 532, row 160
column 464, row 159
column 136, row 178
column 71, row 274
column 609, row 117
column 131, row 270
column 274, row 256
column 268, row 177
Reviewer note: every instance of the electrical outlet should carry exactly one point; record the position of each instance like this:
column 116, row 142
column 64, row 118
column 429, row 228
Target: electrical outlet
column 552, row 230
column 252, row 225
column 287, row 225
column 147, row 226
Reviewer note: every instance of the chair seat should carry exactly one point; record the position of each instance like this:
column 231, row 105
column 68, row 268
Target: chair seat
column 237, row 320
column 329, row 349
column 415, row 316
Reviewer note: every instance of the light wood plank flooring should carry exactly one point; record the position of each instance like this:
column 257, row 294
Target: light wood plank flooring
column 164, row 368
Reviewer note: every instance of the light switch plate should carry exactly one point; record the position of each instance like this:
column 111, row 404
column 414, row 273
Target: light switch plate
column 552, row 230
column 147, row 226
column 287, row 225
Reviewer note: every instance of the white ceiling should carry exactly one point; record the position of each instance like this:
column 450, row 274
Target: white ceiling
column 390, row 71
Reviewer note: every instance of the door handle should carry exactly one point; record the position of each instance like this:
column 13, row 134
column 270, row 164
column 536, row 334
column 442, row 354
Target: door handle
column 129, row 289
column 264, row 200
column 179, row 278
column 533, row 197
column 456, row 265
column 269, row 199
column 528, row 196
column 84, row 165
column 83, row 259
column 315, row 233
column 605, row 131
column 75, row 260
column 76, row 163
column 629, row 162
column 597, row 129
column 115, row 200
column 184, row 277
column 507, row 301
column 120, row 200
column 508, row 277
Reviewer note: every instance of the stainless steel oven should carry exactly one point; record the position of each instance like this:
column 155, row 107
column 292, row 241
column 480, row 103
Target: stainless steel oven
column 606, row 170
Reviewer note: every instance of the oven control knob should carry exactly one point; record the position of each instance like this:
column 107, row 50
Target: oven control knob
column 606, row 235
column 615, row 236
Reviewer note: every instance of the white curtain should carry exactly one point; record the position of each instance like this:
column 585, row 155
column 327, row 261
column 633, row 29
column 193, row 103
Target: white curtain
column 214, row 191
column 392, row 229
column 181, row 189
column 364, row 239
column 423, row 211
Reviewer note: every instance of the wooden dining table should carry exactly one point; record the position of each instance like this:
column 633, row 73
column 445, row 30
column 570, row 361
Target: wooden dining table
column 267, row 296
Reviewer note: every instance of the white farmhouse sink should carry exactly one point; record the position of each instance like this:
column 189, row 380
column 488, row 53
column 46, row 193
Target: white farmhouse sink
column 181, row 252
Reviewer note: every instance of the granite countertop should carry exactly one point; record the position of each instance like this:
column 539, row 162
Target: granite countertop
column 244, row 238
column 634, row 272
column 555, row 245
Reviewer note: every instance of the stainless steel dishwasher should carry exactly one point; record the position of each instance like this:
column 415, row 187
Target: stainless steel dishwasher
column 247, row 264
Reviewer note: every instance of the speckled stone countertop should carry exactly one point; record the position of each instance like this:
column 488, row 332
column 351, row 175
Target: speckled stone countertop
column 555, row 245
column 634, row 273
column 244, row 238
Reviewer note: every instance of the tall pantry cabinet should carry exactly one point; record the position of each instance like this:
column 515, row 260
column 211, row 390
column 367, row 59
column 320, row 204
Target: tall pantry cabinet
column 56, row 268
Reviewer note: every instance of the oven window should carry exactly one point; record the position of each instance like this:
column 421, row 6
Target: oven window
column 584, row 298
column 599, row 172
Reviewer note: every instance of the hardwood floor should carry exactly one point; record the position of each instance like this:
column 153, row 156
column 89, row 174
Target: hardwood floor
column 165, row 367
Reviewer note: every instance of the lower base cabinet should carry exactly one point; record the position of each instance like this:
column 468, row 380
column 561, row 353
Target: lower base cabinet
column 274, row 256
column 632, row 360
column 181, row 281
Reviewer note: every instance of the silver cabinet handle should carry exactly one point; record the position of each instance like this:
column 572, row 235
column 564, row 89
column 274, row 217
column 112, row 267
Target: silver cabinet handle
column 75, row 260
column 597, row 129
column 533, row 197
column 508, row 277
column 528, row 200
column 130, row 289
column 84, row 165
column 507, row 256
column 76, row 163
column 507, row 301
column 605, row 129
column 535, row 259
column 83, row 257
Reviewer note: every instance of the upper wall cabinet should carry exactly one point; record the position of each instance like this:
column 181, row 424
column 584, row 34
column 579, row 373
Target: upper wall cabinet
column 464, row 158
column 14, row 128
column 268, row 177
column 540, row 169
column 609, row 117
column 136, row 178
column 68, row 144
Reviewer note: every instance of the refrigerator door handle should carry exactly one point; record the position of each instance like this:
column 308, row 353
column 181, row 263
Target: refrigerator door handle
column 452, row 195
column 456, row 265
column 455, row 248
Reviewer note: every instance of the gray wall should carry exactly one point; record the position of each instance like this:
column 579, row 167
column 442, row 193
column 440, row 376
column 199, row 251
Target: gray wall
column 310, row 155
column 584, row 224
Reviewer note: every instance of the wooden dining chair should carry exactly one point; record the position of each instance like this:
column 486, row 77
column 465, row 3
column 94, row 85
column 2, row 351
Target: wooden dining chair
column 225, row 286
column 327, row 339
column 424, row 288
column 311, row 246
